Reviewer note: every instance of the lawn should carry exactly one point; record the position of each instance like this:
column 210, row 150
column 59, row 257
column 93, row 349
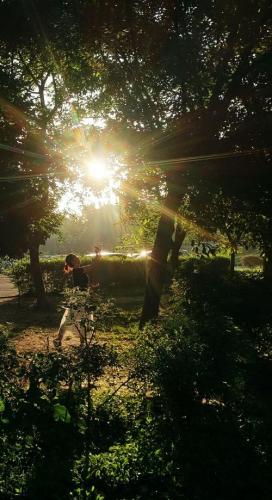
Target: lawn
column 33, row 330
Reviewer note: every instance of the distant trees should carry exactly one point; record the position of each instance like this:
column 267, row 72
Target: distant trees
column 80, row 234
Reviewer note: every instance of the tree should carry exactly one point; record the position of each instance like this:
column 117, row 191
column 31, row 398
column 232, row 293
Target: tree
column 36, row 59
column 27, row 215
column 179, row 79
column 190, row 79
column 198, row 133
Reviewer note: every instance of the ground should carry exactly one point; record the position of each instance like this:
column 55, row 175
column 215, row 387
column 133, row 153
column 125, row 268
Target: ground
column 33, row 331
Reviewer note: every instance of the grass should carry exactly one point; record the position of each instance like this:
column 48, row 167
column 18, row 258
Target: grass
column 16, row 319
column 30, row 329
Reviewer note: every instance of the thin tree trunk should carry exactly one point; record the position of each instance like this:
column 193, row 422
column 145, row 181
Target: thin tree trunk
column 157, row 266
column 179, row 237
column 42, row 302
column 232, row 262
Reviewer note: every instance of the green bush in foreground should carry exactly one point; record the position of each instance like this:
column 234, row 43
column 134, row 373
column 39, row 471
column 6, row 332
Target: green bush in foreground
column 194, row 425
column 211, row 375
column 46, row 408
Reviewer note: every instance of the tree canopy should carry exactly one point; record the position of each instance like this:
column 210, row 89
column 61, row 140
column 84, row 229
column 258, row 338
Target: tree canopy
column 180, row 85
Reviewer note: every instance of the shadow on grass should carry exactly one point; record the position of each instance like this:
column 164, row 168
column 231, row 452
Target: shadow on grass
column 14, row 318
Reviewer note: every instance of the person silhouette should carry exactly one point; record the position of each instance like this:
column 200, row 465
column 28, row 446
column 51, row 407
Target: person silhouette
column 82, row 279
column 97, row 250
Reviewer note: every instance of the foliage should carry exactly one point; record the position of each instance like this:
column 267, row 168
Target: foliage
column 5, row 264
column 139, row 221
column 113, row 271
column 194, row 420
column 252, row 261
column 139, row 467
column 46, row 407
column 204, row 286
column 210, row 378
column 97, row 312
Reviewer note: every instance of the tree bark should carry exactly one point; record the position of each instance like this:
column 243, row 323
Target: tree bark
column 176, row 244
column 232, row 262
column 157, row 266
column 42, row 302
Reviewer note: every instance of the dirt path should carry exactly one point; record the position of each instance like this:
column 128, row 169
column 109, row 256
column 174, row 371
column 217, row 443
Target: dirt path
column 32, row 339
column 41, row 339
column 7, row 289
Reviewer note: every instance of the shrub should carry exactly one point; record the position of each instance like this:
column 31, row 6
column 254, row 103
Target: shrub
column 197, row 427
column 109, row 271
column 52, row 271
column 5, row 264
column 211, row 383
column 204, row 286
column 138, row 466
column 46, row 415
column 252, row 261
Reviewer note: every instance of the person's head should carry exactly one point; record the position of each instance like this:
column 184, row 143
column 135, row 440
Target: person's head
column 71, row 262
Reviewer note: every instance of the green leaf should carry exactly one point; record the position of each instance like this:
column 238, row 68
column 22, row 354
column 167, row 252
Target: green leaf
column 2, row 405
column 61, row 414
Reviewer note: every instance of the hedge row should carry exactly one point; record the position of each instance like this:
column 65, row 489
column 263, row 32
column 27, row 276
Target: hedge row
column 109, row 271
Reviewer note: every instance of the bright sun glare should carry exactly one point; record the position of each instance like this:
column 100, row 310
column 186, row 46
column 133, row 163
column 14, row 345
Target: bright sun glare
column 104, row 179
column 99, row 170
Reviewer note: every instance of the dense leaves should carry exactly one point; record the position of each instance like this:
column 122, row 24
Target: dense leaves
column 193, row 421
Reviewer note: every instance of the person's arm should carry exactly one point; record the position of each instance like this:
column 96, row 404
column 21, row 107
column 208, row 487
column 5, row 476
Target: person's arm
column 87, row 269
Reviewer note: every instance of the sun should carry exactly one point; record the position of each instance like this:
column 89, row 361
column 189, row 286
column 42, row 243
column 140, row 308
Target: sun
column 97, row 184
column 98, row 169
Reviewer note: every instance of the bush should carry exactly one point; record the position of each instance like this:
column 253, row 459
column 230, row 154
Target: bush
column 47, row 416
column 108, row 271
column 211, row 384
column 252, row 261
column 204, row 286
column 138, row 466
column 198, row 425
column 52, row 271
column 5, row 264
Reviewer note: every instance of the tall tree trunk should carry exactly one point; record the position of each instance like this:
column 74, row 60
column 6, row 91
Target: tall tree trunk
column 179, row 237
column 158, row 261
column 232, row 262
column 42, row 302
